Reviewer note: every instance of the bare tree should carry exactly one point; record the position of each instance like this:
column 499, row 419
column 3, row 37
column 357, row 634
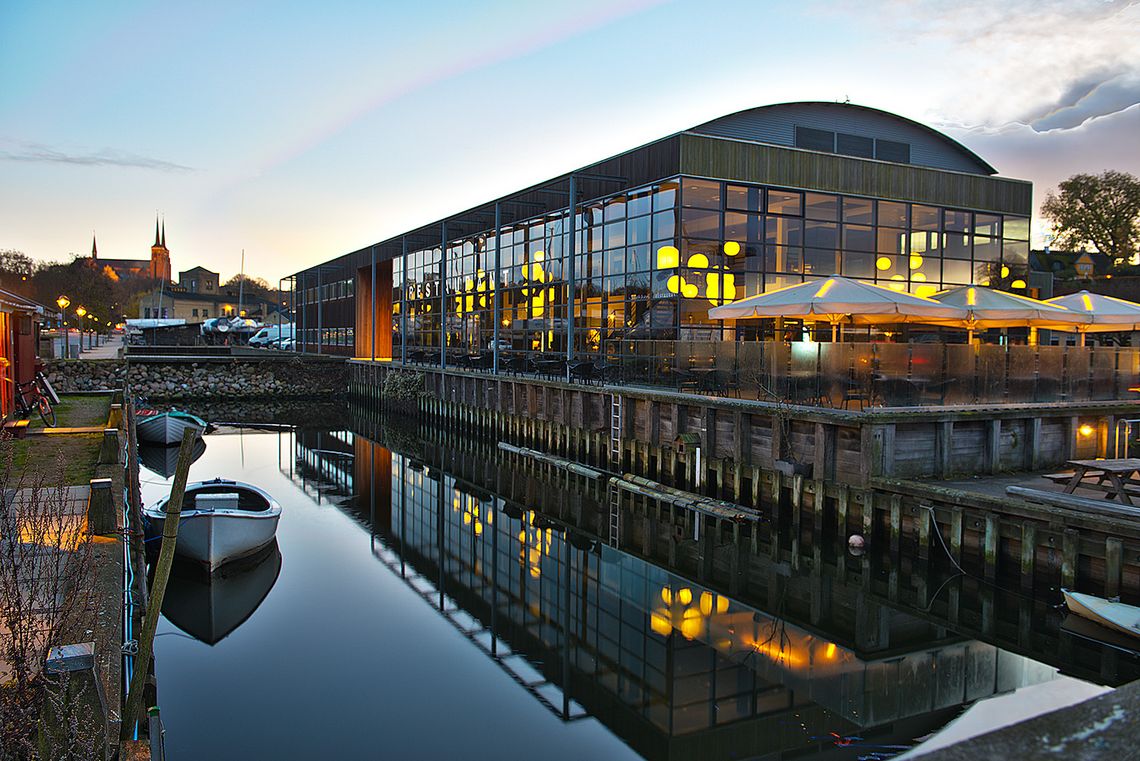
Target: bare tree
column 46, row 597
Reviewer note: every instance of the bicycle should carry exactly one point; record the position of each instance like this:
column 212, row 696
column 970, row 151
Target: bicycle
column 31, row 397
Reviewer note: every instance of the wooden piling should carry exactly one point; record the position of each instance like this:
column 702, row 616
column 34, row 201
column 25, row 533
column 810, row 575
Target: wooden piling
column 170, row 523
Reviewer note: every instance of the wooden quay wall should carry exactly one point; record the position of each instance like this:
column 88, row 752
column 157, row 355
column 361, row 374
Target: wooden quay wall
column 822, row 472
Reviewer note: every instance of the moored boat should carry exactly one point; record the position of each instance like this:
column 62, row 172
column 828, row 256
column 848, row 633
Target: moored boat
column 221, row 521
column 167, row 427
column 1112, row 614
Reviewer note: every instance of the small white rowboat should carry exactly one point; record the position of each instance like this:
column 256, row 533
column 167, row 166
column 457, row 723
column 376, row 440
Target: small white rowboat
column 1115, row 615
column 221, row 521
column 167, row 427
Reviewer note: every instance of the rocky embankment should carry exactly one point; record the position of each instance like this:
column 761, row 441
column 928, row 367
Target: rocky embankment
column 228, row 378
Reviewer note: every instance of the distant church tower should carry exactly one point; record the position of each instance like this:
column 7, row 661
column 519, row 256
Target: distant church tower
column 160, row 254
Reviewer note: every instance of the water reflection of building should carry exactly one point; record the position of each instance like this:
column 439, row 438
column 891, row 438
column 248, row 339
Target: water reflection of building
column 322, row 463
column 670, row 665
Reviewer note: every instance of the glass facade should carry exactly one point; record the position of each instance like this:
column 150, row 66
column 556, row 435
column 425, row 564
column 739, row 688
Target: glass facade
column 650, row 262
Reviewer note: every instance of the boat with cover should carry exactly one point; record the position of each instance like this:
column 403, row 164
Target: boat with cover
column 1110, row 613
column 158, row 427
column 221, row 521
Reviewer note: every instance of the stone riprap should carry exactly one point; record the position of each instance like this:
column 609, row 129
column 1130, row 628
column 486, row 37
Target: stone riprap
column 204, row 378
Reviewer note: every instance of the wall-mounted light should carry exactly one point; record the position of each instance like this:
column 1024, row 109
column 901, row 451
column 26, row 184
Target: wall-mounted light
column 1086, row 430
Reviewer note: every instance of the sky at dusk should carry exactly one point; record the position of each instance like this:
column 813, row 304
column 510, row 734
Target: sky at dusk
column 300, row 131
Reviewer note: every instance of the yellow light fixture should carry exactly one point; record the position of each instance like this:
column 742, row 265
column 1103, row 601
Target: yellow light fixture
column 668, row 257
column 1086, row 430
column 918, row 277
column 731, row 248
column 915, row 261
column 63, row 302
column 883, row 263
column 80, row 311
column 698, row 261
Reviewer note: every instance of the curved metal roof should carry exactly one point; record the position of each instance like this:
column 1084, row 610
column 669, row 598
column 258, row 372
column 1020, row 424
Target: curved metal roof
column 775, row 124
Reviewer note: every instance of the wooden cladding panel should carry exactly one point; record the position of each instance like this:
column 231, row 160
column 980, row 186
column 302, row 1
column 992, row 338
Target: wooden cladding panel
column 751, row 162
column 383, row 318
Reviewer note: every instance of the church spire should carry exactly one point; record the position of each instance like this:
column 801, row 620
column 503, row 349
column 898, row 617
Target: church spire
column 94, row 248
column 156, row 243
column 164, row 232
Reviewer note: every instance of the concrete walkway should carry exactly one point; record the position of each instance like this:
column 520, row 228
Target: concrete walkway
column 108, row 350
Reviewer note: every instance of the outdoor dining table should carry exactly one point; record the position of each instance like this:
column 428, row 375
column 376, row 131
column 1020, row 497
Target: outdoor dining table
column 1120, row 475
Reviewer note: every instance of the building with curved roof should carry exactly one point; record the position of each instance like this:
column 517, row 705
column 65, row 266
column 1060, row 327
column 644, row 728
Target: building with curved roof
column 746, row 203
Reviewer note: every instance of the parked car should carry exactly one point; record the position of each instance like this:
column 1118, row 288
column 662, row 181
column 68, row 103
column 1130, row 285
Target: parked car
column 271, row 333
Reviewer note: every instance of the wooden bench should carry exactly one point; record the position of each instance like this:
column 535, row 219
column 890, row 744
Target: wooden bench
column 17, row 429
column 1059, row 478
column 1073, row 502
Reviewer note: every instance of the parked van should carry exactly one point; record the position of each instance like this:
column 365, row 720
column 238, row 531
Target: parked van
column 271, row 333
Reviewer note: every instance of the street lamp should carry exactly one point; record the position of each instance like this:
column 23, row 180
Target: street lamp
column 63, row 303
column 80, row 311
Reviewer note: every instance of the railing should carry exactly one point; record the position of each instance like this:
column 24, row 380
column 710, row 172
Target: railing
column 843, row 375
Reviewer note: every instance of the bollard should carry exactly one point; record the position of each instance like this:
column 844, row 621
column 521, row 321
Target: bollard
column 101, row 515
column 109, row 448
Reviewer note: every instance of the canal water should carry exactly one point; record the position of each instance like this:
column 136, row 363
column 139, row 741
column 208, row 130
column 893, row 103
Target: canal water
column 426, row 599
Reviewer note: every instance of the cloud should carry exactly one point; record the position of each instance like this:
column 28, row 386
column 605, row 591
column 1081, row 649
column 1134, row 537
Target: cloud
column 1049, row 64
column 1109, row 96
column 36, row 152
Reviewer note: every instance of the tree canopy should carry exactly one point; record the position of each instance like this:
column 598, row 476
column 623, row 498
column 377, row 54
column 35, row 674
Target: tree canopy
column 1102, row 210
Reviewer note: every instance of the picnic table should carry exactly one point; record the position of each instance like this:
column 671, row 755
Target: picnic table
column 1116, row 478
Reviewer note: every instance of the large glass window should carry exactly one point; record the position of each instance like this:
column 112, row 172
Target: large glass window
column 651, row 262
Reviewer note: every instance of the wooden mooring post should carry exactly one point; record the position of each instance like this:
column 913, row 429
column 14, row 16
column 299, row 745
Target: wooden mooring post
column 161, row 575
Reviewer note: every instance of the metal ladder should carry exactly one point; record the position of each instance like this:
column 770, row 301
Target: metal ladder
column 615, row 462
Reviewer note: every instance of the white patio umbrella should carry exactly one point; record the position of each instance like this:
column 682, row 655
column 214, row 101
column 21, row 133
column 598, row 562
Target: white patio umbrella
column 989, row 308
column 836, row 299
column 1105, row 313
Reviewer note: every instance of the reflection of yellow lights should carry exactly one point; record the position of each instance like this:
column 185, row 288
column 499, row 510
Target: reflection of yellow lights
column 971, row 297
column 1086, row 430
column 915, row 261
column 829, row 652
column 926, row 291
column 667, row 595
column 1004, row 271
column 698, row 261
column 731, row 248
column 685, row 596
column 883, row 263
column 668, row 257
column 823, row 289
column 1087, row 301
column 1017, row 284
column 918, row 277
column 68, row 535
column 718, row 287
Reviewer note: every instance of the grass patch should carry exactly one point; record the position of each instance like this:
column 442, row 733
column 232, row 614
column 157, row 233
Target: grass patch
column 72, row 456
column 78, row 411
